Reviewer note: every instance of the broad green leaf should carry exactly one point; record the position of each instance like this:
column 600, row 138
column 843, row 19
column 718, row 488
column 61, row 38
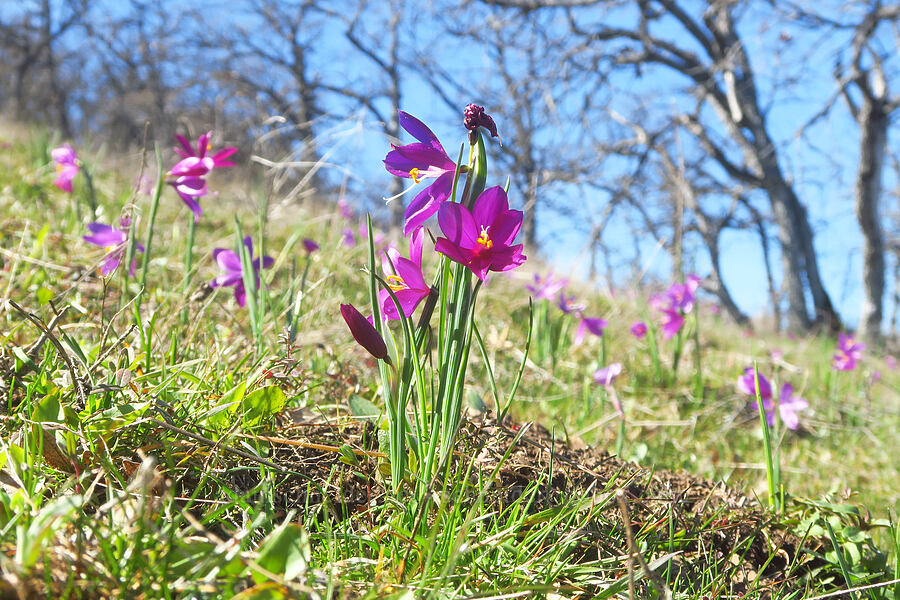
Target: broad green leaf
column 363, row 409
column 285, row 552
column 261, row 404
column 220, row 417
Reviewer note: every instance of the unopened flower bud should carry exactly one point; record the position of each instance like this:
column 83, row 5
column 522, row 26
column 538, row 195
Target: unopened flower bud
column 364, row 332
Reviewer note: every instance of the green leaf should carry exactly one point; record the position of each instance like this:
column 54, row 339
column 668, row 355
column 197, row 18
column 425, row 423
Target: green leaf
column 285, row 551
column 363, row 409
column 47, row 410
column 220, row 416
column 44, row 295
column 261, row 404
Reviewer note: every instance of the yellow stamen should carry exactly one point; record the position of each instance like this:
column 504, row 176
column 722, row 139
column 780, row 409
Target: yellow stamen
column 59, row 167
column 414, row 173
column 396, row 283
column 484, row 239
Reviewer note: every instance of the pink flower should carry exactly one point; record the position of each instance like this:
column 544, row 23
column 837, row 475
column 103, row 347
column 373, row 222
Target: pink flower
column 348, row 237
column 114, row 240
column 190, row 172
column 546, row 288
column 594, row 325
column 848, row 353
column 607, row 375
column 424, row 159
column 66, row 166
column 404, row 277
column 568, row 305
column 746, row 384
column 230, row 262
column 788, row 407
column 482, row 239
column 671, row 321
column 891, row 362
column 639, row 329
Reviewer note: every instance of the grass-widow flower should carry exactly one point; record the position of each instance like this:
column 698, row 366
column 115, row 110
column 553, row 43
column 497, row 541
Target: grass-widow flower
column 66, row 166
column 639, row 329
column 364, row 332
column 114, row 240
column 568, row 305
column 546, row 288
column 481, row 240
column 848, row 353
column 230, row 262
column 746, row 384
column 404, row 277
column 594, row 325
column 189, row 174
column 788, row 407
column 607, row 375
column 424, row 159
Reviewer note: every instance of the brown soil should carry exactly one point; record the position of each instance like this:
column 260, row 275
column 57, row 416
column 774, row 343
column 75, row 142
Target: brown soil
column 715, row 524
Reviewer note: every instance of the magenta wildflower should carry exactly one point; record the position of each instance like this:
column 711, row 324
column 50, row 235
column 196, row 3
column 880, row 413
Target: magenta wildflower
column 475, row 117
column 404, row 277
column 310, row 246
column 230, row 262
column 114, row 240
column 425, row 159
column 674, row 304
column 546, row 288
column 639, row 329
column 348, row 237
column 594, row 325
column 607, row 375
column 190, row 172
column 481, row 240
column 671, row 321
column 848, row 352
column 891, row 362
column 345, row 209
column 568, row 305
column 66, row 166
column 788, row 407
column 746, row 384
column 364, row 332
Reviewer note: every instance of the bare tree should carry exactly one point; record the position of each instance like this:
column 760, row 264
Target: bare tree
column 545, row 113
column 871, row 105
column 29, row 38
column 707, row 52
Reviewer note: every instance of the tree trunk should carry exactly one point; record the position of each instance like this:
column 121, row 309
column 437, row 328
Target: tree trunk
column 873, row 123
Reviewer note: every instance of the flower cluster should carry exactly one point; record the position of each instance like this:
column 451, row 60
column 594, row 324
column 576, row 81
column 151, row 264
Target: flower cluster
column 674, row 304
column 788, row 404
column 189, row 174
column 66, row 166
column 848, row 353
column 550, row 287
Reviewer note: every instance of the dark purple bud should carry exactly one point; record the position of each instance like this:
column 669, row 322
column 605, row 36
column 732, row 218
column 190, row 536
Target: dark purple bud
column 475, row 117
column 364, row 332
column 310, row 245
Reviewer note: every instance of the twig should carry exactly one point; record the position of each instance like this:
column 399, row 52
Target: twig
column 76, row 383
column 205, row 440
column 662, row 590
